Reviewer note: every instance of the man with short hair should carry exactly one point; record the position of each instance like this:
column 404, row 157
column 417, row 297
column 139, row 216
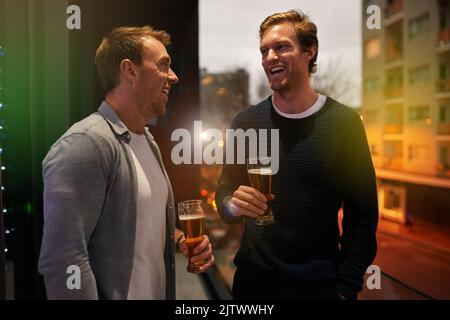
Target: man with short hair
column 324, row 162
column 108, row 203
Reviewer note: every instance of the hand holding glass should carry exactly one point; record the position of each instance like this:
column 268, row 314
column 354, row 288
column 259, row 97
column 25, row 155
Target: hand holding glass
column 260, row 175
column 192, row 220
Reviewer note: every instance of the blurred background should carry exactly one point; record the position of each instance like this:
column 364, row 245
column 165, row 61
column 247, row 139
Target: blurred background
column 397, row 77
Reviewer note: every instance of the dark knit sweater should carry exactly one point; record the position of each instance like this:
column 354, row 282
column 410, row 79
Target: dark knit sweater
column 325, row 163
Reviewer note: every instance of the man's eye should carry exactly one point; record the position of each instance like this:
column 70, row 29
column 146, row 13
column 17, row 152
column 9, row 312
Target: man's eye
column 264, row 52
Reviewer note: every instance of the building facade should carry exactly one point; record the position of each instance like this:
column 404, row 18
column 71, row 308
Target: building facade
column 406, row 107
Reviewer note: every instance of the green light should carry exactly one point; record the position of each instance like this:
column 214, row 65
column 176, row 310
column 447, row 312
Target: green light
column 28, row 207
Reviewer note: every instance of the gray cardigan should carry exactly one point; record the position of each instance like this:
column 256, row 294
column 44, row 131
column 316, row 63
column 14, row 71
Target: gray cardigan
column 90, row 211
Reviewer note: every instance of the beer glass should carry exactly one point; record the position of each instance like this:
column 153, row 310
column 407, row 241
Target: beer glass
column 260, row 175
column 192, row 220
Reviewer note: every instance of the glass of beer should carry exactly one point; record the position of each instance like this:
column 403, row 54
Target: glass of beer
column 260, row 175
column 192, row 220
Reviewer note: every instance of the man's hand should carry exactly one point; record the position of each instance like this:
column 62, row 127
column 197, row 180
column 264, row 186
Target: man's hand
column 202, row 251
column 248, row 201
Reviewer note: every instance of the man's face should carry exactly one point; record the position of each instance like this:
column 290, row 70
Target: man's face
column 154, row 79
column 283, row 60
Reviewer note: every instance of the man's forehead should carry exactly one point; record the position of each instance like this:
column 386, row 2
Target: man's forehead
column 278, row 31
column 154, row 48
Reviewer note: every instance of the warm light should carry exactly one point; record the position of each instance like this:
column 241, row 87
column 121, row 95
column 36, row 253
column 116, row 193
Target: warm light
column 203, row 136
column 214, row 204
column 220, row 143
column 221, row 92
column 373, row 47
column 204, row 192
column 428, row 121
column 207, row 80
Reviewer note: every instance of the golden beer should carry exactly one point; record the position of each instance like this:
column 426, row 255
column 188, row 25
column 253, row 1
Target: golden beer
column 192, row 221
column 261, row 179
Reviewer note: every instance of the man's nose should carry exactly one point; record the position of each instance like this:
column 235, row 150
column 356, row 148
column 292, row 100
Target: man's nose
column 271, row 55
column 173, row 79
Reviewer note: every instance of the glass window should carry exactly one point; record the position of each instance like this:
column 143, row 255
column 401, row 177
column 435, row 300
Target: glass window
column 392, row 200
column 418, row 26
column 394, row 114
column 444, row 113
column 373, row 48
column 418, row 154
column 419, row 113
column 372, row 84
column 443, row 71
column 419, row 75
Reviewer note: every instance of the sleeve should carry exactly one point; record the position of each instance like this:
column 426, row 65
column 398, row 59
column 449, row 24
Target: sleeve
column 233, row 175
column 75, row 182
column 358, row 240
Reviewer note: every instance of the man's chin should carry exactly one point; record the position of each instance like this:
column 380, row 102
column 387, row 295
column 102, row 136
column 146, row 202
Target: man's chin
column 279, row 85
column 276, row 87
column 160, row 111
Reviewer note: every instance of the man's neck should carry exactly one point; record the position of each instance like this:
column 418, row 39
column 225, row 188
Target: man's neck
column 295, row 101
column 127, row 112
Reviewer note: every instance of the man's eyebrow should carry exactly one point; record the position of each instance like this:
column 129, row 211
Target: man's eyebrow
column 278, row 42
column 165, row 59
column 282, row 42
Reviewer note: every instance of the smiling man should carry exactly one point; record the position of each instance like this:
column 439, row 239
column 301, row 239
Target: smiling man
column 324, row 163
column 108, row 203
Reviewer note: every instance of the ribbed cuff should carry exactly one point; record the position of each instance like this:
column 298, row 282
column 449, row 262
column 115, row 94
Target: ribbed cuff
column 345, row 291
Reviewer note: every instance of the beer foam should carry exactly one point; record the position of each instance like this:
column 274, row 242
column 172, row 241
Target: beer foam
column 261, row 171
column 191, row 216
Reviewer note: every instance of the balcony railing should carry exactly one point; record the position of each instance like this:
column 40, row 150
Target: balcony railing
column 391, row 9
column 393, row 54
column 443, row 85
column 443, row 128
column 443, row 170
column 394, row 163
column 393, row 92
column 444, row 36
column 393, row 128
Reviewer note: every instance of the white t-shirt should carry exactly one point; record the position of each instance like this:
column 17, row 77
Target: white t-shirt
column 148, row 277
column 320, row 102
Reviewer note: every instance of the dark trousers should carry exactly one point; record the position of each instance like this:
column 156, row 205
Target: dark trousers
column 266, row 286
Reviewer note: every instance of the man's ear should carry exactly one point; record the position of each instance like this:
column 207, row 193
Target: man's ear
column 311, row 52
column 128, row 70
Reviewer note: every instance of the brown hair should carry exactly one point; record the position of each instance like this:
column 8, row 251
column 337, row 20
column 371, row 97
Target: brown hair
column 123, row 43
column 305, row 29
